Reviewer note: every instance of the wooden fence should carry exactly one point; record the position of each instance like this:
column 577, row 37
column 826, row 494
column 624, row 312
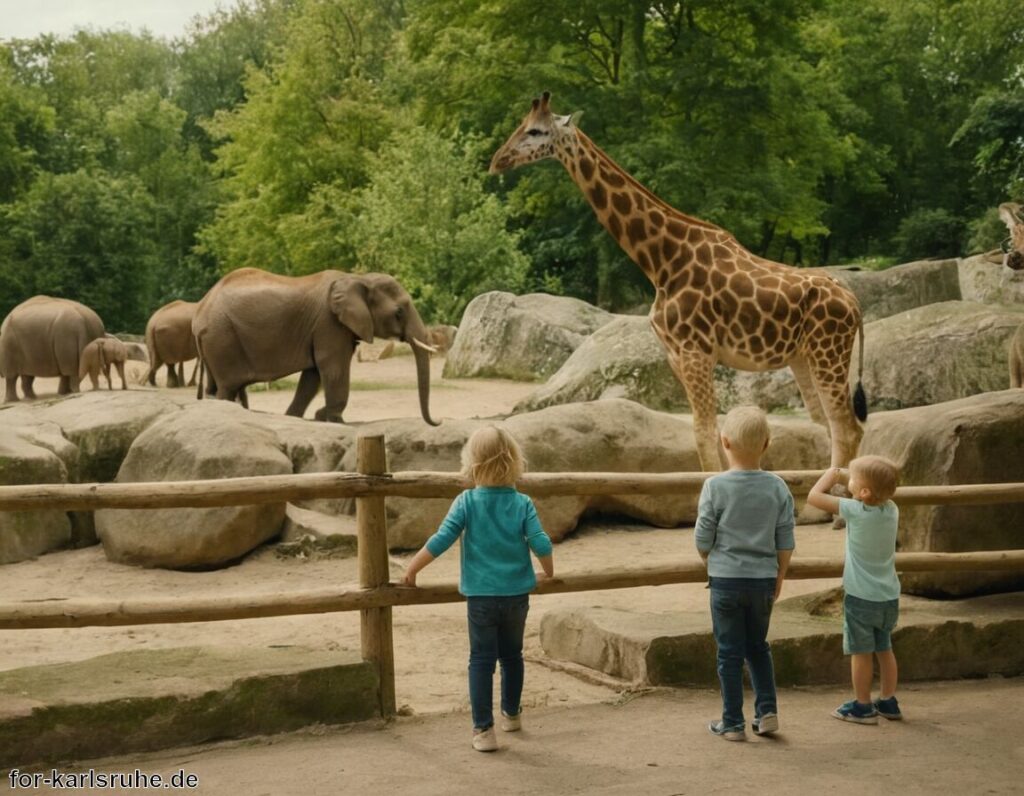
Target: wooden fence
column 375, row 596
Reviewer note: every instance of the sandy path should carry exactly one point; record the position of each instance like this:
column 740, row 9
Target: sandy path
column 380, row 390
column 653, row 744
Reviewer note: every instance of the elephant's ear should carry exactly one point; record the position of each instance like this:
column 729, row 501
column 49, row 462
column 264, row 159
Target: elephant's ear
column 348, row 303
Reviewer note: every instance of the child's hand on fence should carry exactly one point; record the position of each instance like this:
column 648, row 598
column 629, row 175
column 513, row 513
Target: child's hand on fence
column 409, row 579
column 541, row 575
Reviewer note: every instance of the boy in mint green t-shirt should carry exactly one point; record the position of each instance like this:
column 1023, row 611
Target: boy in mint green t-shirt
column 871, row 603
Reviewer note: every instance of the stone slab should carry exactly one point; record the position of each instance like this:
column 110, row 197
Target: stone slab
column 935, row 639
column 145, row 700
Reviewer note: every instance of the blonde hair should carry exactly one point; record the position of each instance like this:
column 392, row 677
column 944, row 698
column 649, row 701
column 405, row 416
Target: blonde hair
column 879, row 475
column 746, row 428
column 492, row 457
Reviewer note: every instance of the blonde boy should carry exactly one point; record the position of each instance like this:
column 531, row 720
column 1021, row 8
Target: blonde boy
column 744, row 534
column 871, row 604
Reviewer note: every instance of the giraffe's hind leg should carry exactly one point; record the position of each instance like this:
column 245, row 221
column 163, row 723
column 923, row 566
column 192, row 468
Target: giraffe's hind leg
column 831, row 379
column 808, row 391
column 695, row 372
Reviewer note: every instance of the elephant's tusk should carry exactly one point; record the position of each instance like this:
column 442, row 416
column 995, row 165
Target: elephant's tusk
column 424, row 346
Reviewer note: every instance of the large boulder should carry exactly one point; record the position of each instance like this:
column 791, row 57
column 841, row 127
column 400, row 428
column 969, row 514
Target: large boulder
column 938, row 353
column 212, row 439
column 601, row 436
column 624, row 359
column 902, row 287
column 33, row 453
column 971, row 441
column 989, row 281
column 502, row 335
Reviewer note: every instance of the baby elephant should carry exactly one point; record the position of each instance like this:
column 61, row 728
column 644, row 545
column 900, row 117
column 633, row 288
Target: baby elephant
column 98, row 356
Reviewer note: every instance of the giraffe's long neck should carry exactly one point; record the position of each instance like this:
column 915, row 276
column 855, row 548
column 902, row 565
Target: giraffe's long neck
column 647, row 228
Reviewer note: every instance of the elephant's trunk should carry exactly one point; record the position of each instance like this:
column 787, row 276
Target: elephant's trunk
column 415, row 330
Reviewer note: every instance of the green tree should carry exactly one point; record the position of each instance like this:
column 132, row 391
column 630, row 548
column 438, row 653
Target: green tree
column 427, row 220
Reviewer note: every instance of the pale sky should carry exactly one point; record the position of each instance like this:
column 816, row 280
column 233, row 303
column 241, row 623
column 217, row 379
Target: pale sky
column 28, row 18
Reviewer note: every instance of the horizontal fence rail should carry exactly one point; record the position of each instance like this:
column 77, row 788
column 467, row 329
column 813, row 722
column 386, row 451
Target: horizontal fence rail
column 82, row 612
column 283, row 488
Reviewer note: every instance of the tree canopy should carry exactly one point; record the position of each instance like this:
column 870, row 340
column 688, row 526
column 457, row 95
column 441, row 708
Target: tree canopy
column 299, row 135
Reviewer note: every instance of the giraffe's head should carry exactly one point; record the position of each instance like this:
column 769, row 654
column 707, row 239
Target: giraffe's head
column 1013, row 247
column 534, row 139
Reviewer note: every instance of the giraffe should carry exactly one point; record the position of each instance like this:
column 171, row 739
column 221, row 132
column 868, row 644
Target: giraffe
column 715, row 301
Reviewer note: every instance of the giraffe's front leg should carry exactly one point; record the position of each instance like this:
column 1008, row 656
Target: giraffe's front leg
column 695, row 371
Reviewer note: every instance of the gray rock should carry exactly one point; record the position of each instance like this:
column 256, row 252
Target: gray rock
column 33, row 454
column 610, row 435
column 212, row 439
column 520, row 337
column 971, row 441
column 902, row 287
column 989, row 282
column 937, row 353
column 624, row 359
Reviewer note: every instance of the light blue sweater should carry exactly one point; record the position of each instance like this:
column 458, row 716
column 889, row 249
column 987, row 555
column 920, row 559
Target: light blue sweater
column 744, row 518
column 870, row 568
column 499, row 528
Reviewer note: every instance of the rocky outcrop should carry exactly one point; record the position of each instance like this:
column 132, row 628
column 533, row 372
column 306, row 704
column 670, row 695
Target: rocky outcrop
column 520, row 337
column 601, row 436
column 624, row 359
column 33, row 453
column 938, row 353
column 212, row 439
column 988, row 281
column 902, row 287
column 970, row 441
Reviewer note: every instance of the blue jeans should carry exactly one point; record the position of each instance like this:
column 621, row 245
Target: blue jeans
column 496, row 626
column 740, row 611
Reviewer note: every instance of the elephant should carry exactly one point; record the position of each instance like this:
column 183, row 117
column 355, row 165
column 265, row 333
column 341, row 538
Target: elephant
column 170, row 342
column 98, row 356
column 44, row 336
column 255, row 326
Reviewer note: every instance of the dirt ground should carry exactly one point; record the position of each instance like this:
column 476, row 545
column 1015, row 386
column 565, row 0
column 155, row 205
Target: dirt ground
column 582, row 736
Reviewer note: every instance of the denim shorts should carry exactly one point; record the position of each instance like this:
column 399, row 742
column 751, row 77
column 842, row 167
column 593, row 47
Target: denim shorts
column 868, row 624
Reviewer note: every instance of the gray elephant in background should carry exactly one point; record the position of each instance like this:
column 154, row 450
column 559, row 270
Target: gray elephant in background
column 170, row 342
column 45, row 336
column 98, row 356
column 255, row 326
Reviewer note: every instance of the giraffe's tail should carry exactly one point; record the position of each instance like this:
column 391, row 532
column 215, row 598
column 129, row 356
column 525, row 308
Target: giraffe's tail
column 860, row 398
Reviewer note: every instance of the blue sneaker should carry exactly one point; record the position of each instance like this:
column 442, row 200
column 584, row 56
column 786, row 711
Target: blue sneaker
column 737, row 733
column 856, row 712
column 888, row 708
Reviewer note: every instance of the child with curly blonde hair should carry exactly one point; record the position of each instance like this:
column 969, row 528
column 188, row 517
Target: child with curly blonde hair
column 499, row 527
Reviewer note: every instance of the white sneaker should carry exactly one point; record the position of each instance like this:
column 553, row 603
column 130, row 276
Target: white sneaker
column 512, row 723
column 766, row 725
column 485, row 740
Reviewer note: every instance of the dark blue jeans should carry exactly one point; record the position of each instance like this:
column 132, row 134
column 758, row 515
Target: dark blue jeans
column 496, row 626
column 740, row 611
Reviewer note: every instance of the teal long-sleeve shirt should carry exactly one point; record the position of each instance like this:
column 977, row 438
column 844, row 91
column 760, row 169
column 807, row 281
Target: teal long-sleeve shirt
column 743, row 519
column 499, row 527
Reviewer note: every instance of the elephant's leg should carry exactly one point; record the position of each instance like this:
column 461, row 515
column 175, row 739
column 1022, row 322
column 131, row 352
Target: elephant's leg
column 65, row 385
column 242, row 397
column 74, row 383
column 120, row 372
column 172, row 376
column 309, row 384
column 11, row 392
column 106, row 372
column 335, row 374
column 26, row 387
column 195, row 369
column 94, row 377
column 181, row 374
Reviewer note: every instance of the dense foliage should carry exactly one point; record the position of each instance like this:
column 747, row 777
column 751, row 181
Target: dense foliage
column 298, row 135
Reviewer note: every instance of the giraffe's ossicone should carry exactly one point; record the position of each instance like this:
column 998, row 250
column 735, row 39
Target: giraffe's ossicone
column 714, row 300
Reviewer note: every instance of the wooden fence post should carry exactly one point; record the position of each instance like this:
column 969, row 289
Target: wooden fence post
column 371, row 522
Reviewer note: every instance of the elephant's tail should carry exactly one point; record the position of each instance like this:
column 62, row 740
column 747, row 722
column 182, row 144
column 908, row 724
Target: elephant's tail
column 154, row 363
column 202, row 372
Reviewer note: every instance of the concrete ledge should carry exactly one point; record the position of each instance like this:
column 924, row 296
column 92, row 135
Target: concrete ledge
column 935, row 640
column 156, row 699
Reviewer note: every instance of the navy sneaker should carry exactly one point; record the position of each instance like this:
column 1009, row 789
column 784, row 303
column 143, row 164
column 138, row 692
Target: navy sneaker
column 737, row 733
column 766, row 724
column 888, row 708
column 856, row 712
